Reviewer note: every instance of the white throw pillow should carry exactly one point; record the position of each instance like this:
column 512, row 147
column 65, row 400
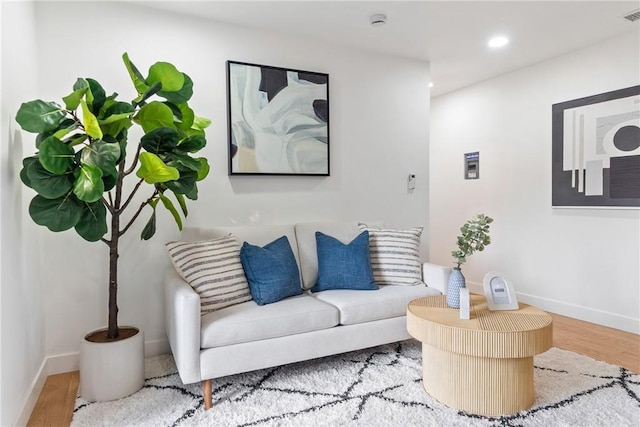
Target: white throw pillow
column 395, row 255
column 214, row 271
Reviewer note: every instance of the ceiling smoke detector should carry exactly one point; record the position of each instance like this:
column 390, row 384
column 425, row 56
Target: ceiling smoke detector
column 378, row 20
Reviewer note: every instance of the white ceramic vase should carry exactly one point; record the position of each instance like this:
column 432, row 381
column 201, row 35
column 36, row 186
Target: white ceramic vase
column 112, row 370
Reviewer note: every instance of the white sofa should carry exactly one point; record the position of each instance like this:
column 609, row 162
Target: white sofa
column 247, row 336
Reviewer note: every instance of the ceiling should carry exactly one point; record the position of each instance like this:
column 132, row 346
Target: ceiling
column 452, row 35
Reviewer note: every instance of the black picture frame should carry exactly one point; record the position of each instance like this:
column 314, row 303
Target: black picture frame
column 277, row 120
column 596, row 151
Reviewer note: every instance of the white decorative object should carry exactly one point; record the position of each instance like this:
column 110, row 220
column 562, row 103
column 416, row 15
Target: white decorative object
column 499, row 292
column 465, row 304
column 111, row 370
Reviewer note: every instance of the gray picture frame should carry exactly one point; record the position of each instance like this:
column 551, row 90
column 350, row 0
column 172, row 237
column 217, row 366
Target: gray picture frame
column 278, row 120
column 596, row 151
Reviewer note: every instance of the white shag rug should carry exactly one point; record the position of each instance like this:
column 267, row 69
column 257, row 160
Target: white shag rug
column 381, row 386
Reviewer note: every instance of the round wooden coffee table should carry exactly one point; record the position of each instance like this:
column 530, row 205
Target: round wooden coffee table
column 483, row 365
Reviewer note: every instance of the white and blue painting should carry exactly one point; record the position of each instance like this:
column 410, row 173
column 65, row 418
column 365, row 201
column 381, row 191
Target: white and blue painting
column 278, row 120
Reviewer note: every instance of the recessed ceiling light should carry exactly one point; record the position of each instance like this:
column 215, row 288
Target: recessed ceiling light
column 498, row 41
column 430, row 84
column 378, row 20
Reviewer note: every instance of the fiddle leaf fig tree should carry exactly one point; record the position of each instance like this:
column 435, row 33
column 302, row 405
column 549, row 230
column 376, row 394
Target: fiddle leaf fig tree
column 80, row 167
column 474, row 237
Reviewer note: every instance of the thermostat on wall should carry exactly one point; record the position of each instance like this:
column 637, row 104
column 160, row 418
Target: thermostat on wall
column 472, row 165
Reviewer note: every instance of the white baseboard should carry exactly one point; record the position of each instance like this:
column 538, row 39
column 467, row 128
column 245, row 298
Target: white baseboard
column 599, row 317
column 156, row 348
column 32, row 398
column 70, row 362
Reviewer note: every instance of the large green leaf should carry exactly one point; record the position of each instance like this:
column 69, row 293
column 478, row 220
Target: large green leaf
column 58, row 214
column 56, row 156
column 110, row 179
column 77, row 139
column 181, row 96
column 150, row 228
column 193, row 194
column 88, row 186
column 154, row 115
column 184, row 162
column 204, row 168
column 90, row 122
column 153, row 169
column 160, row 140
column 171, row 79
column 118, row 108
column 114, row 118
column 80, row 84
column 45, row 183
column 24, row 176
column 201, row 123
column 187, row 117
column 169, row 206
column 72, row 100
column 96, row 96
column 116, row 127
column 39, row 116
column 184, row 184
column 182, row 203
column 102, row 154
column 192, row 143
column 93, row 222
column 65, row 124
column 136, row 77
column 152, row 90
column 61, row 133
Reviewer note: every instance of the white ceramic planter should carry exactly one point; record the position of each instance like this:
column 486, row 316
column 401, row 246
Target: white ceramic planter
column 113, row 370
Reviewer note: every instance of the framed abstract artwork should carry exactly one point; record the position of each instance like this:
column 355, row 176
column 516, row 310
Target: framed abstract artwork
column 596, row 151
column 278, row 120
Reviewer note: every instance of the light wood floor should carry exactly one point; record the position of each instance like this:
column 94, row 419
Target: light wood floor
column 55, row 404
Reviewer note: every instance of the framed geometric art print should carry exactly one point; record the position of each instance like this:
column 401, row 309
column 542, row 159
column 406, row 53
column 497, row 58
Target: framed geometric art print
column 278, row 120
column 596, row 151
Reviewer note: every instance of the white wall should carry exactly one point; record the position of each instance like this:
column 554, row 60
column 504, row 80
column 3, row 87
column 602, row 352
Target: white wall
column 379, row 134
column 582, row 263
column 23, row 334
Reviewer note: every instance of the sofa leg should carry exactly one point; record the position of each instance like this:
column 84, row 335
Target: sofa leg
column 206, row 393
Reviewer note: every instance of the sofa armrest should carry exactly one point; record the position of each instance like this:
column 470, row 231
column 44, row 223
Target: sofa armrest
column 436, row 276
column 182, row 322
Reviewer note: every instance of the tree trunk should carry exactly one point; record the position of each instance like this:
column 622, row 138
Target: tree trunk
column 112, row 332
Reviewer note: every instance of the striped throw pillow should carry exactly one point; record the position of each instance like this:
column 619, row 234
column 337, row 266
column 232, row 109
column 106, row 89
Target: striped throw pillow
column 214, row 271
column 395, row 255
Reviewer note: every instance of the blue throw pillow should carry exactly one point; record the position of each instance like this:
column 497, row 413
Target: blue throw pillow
column 271, row 271
column 343, row 266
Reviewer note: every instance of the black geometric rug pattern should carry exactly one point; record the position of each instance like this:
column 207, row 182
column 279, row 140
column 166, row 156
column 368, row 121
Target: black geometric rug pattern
column 381, row 386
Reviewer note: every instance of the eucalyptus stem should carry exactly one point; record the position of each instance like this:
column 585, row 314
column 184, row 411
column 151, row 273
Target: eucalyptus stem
column 475, row 237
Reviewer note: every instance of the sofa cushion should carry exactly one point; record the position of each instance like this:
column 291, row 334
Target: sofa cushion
column 306, row 239
column 389, row 301
column 343, row 266
column 250, row 322
column 255, row 234
column 213, row 269
column 271, row 271
column 395, row 255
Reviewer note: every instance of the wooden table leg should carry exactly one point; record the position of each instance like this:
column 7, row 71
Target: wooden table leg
column 479, row 385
